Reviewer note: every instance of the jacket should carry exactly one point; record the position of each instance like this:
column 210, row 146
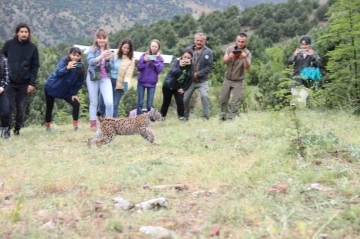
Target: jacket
column 23, row 61
column 92, row 54
column 301, row 62
column 149, row 71
column 205, row 63
column 175, row 80
column 235, row 70
column 62, row 82
column 4, row 73
column 125, row 71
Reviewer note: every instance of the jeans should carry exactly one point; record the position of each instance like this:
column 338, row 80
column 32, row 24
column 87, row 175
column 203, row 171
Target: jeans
column 117, row 95
column 17, row 96
column 150, row 98
column 50, row 105
column 104, row 85
column 204, row 89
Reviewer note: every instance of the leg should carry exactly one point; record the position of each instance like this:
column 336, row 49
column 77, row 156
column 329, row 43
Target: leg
column 204, row 89
column 148, row 135
column 224, row 98
column 106, row 139
column 237, row 94
column 166, row 101
column 49, row 107
column 117, row 97
column 140, row 101
column 93, row 89
column 107, row 93
column 95, row 137
column 20, row 104
column 76, row 107
column 101, row 106
column 179, row 98
column 150, row 98
column 187, row 96
column 4, row 104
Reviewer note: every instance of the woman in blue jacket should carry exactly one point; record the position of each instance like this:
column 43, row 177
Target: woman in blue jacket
column 64, row 83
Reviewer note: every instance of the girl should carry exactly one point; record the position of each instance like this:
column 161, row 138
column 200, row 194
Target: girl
column 150, row 66
column 64, row 83
column 122, row 69
column 98, row 76
column 4, row 103
column 176, row 82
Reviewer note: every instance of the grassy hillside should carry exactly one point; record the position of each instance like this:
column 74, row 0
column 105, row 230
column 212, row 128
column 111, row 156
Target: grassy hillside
column 68, row 21
column 263, row 175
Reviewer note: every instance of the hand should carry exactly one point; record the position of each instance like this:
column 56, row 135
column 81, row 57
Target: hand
column 71, row 65
column 231, row 55
column 1, row 90
column 146, row 57
column 297, row 52
column 182, row 63
column 243, row 55
column 180, row 91
column 195, row 77
column 108, row 55
column 75, row 97
column 309, row 52
column 30, row 89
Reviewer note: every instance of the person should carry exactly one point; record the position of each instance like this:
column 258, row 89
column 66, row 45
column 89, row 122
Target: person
column 150, row 65
column 302, row 57
column 4, row 103
column 237, row 59
column 176, row 82
column 98, row 76
column 23, row 63
column 202, row 61
column 65, row 83
column 122, row 69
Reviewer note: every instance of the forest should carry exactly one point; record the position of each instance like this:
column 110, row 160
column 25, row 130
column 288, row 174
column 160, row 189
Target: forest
column 274, row 31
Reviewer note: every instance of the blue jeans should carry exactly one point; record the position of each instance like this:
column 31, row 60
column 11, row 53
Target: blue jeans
column 117, row 95
column 150, row 98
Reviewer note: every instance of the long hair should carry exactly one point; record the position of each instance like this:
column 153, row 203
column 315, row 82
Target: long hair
column 100, row 34
column 75, row 50
column 22, row 25
column 149, row 49
column 128, row 41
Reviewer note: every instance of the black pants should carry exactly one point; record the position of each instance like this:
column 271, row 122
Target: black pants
column 179, row 98
column 17, row 97
column 4, row 104
column 50, row 106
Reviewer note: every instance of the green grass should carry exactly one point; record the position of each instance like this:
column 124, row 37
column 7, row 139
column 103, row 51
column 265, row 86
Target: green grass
column 228, row 167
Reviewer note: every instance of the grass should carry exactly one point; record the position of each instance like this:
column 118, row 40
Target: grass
column 52, row 184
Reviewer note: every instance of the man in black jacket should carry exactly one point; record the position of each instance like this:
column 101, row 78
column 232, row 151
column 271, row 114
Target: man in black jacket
column 23, row 63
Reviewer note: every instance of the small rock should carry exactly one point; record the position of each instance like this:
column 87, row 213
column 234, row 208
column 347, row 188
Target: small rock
column 158, row 232
column 153, row 203
column 122, row 203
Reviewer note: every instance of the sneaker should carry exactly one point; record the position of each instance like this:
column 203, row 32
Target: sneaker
column 16, row 132
column 182, row 118
column 5, row 134
column 48, row 129
column 76, row 128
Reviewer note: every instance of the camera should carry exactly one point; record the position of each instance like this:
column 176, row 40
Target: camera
column 302, row 51
column 79, row 64
column 187, row 62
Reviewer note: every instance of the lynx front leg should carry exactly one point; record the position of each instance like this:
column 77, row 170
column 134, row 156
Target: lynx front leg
column 106, row 139
column 95, row 137
column 148, row 135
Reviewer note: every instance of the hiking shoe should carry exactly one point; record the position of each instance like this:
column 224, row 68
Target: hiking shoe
column 5, row 134
column 16, row 132
column 182, row 118
column 76, row 128
column 48, row 129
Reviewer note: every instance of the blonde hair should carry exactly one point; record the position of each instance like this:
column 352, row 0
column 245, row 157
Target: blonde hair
column 149, row 50
column 100, row 34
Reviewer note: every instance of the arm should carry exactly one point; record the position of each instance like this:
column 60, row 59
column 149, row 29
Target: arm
column 247, row 60
column 35, row 64
column 175, row 70
column 142, row 63
column 61, row 68
column 159, row 64
column 79, row 82
column 92, row 58
column 206, row 70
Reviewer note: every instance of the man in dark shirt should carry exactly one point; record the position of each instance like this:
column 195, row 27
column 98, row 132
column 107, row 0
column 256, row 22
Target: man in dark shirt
column 23, row 63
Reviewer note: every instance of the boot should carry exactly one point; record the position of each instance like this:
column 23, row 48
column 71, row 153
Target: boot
column 48, row 126
column 93, row 125
column 75, row 124
column 5, row 132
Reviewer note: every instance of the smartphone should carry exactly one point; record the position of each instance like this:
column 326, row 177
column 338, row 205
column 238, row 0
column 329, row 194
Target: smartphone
column 79, row 64
column 187, row 62
column 302, row 51
column 152, row 57
column 237, row 52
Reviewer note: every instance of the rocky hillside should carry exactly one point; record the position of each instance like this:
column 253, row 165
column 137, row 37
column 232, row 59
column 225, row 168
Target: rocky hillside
column 54, row 21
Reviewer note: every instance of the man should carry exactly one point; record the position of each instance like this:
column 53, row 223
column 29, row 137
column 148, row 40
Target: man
column 237, row 59
column 23, row 63
column 4, row 81
column 202, row 63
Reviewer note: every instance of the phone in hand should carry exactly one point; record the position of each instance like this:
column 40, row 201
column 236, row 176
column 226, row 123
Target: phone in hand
column 187, row 62
column 237, row 52
column 152, row 57
column 302, row 51
column 79, row 64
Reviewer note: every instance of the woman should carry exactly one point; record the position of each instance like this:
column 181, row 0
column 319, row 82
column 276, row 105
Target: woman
column 65, row 83
column 97, row 78
column 176, row 82
column 150, row 66
column 122, row 68
column 303, row 57
column 4, row 103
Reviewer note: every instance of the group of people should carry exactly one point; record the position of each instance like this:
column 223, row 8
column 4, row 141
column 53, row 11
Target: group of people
column 109, row 76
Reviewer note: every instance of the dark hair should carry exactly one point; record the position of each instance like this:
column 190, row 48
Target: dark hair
column 242, row 34
column 307, row 39
column 75, row 50
column 22, row 25
column 189, row 51
column 128, row 41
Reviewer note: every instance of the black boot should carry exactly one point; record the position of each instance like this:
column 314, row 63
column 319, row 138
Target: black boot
column 5, row 132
